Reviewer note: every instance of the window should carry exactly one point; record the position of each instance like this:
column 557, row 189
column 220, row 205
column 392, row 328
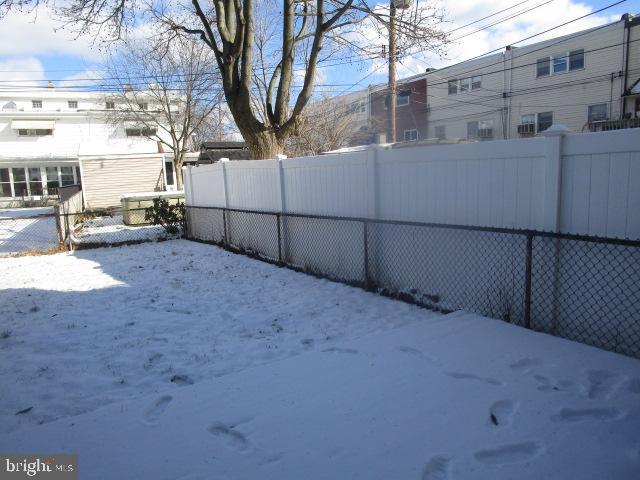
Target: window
column 52, row 179
column 5, row 183
column 560, row 63
column 143, row 106
column 465, row 84
column 35, row 181
column 66, row 175
column 410, row 135
column 110, row 105
column 168, row 168
column 140, row 132
column 545, row 120
column 472, row 130
column 576, row 59
column 476, row 82
column 19, row 182
column 72, row 103
column 36, row 103
column 542, row 67
column 38, row 132
column 453, row 87
column 403, row 98
column 597, row 112
column 528, row 119
column 482, row 129
column 441, row 132
column 359, row 106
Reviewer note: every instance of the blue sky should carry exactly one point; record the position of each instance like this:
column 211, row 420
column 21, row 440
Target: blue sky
column 32, row 51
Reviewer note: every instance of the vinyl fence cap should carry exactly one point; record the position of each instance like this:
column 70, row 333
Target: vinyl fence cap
column 280, row 156
column 556, row 130
column 224, row 159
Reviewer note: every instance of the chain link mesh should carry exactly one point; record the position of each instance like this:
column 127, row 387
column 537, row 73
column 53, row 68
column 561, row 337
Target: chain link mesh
column 582, row 288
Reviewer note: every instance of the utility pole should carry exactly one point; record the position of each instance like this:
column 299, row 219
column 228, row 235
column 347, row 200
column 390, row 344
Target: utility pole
column 393, row 86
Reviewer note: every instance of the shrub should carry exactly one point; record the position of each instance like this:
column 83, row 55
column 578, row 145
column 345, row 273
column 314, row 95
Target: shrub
column 169, row 215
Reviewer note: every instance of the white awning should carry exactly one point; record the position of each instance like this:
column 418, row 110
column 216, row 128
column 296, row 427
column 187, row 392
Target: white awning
column 33, row 124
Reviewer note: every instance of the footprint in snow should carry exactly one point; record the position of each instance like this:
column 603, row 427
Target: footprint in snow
column 437, row 468
column 232, row 438
column 340, row 350
column 181, row 380
column 415, row 352
column 157, row 408
column 634, row 385
column 602, row 384
column 501, row 413
column 525, row 365
column 470, row 376
column 511, row 453
column 546, row 384
column 586, row 414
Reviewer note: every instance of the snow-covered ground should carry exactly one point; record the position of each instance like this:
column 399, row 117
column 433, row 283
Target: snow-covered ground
column 112, row 230
column 194, row 363
column 21, row 234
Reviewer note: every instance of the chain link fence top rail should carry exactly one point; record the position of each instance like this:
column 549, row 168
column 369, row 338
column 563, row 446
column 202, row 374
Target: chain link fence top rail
column 582, row 288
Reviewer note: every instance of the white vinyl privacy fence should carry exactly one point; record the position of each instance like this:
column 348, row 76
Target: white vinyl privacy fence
column 470, row 226
column 574, row 183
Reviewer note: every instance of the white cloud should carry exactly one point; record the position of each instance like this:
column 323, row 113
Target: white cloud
column 84, row 78
column 19, row 69
column 38, row 33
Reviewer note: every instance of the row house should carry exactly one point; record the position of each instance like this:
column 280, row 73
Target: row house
column 588, row 81
column 52, row 138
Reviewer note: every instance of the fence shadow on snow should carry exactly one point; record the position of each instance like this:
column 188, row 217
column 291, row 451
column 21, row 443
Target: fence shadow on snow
column 582, row 288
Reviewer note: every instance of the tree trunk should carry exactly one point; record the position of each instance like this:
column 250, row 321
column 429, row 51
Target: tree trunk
column 264, row 145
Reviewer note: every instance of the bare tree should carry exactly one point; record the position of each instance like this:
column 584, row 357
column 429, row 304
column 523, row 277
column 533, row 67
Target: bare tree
column 167, row 93
column 321, row 128
column 303, row 34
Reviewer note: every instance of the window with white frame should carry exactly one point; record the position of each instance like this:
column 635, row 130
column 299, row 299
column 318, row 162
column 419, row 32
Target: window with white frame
column 110, row 105
column 464, row 84
column 34, row 132
column 72, row 103
column 528, row 118
column 53, row 182
column 35, row 181
column 441, row 132
column 597, row 112
column 359, row 106
column 480, row 129
column 36, row 103
column 143, row 106
column 20, row 188
column 410, row 135
column 140, row 132
column 562, row 62
column 545, row 120
column 403, row 98
column 5, row 183
column 66, row 176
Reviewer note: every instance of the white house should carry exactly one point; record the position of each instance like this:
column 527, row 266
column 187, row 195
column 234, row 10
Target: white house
column 51, row 138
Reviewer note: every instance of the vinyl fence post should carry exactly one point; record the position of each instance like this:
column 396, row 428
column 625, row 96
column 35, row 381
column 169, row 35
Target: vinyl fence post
column 553, row 176
column 527, row 285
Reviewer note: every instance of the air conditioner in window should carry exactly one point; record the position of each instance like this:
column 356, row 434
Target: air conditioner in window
column 485, row 133
column 527, row 128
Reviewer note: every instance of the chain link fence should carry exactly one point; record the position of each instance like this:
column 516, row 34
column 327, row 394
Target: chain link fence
column 53, row 229
column 582, row 288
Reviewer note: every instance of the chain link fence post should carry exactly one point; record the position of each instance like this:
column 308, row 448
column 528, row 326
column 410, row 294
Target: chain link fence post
column 527, row 286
